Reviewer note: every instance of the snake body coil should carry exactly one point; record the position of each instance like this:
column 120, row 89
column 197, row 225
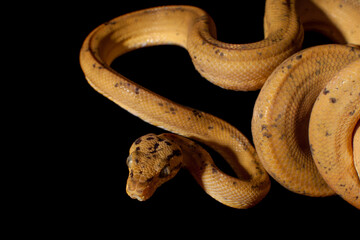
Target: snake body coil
column 281, row 114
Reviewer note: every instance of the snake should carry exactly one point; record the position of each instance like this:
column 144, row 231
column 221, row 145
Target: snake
column 300, row 140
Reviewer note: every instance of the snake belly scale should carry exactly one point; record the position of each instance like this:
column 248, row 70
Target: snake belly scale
column 155, row 159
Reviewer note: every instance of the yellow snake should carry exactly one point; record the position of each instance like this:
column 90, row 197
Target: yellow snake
column 281, row 115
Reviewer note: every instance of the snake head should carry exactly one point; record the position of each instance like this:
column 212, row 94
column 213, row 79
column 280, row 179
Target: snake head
column 153, row 160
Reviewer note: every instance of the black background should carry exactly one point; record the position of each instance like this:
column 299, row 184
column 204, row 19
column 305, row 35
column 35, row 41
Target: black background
column 85, row 178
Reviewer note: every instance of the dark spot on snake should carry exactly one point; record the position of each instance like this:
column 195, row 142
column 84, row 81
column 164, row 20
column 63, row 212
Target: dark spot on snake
column 100, row 67
column 195, row 57
column 268, row 135
column 137, row 149
column 116, row 85
column 210, row 127
column 214, row 170
column 150, row 138
column 203, row 42
column 298, row 57
column 327, row 134
column 340, row 6
column 131, row 174
column 156, row 145
column 234, row 183
column 352, row 112
column 149, row 179
column 221, row 54
column 217, row 51
column 173, row 154
column 177, row 152
column 136, row 90
column 136, row 160
column 261, row 115
column 168, row 143
column 245, row 147
column 197, row 113
column 333, row 100
column 289, row 66
column 326, row 91
column 94, row 65
column 263, row 127
column 160, row 104
column 138, row 141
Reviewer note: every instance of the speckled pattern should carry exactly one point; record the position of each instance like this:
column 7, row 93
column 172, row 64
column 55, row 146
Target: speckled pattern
column 333, row 119
column 282, row 111
column 232, row 66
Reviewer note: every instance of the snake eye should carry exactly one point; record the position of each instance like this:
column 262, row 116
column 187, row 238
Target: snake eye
column 129, row 161
column 165, row 172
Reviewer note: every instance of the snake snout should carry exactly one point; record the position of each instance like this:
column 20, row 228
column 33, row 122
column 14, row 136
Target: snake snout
column 139, row 190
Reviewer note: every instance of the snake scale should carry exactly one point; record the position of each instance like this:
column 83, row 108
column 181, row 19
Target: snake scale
column 305, row 121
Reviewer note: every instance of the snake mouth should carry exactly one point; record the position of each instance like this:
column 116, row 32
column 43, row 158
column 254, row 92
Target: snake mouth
column 139, row 191
column 137, row 196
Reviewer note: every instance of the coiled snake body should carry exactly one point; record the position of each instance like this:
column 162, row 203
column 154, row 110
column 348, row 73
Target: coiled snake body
column 328, row 75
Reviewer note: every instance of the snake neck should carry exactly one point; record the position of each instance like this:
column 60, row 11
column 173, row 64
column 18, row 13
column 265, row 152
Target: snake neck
column 219, row 185
column 194, row 158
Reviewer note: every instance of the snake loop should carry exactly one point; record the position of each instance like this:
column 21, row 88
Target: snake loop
column 281, row 113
